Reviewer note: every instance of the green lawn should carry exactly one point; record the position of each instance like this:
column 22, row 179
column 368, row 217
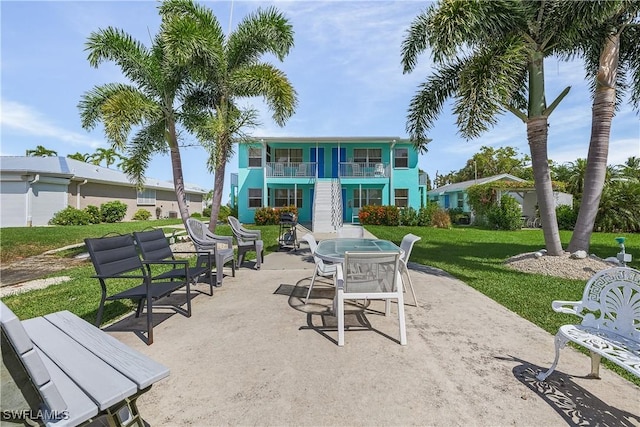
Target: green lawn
column 473, row 255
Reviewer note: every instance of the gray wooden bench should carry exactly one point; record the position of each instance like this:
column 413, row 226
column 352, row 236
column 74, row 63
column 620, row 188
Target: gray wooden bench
column 610, row 327
column 63, row 371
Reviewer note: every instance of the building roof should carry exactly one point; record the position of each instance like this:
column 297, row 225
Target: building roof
column 65, row 167
column 461, row 186
column 329, row 139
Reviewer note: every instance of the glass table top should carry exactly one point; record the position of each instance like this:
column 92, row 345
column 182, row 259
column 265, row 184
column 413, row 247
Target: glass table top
column 333, row 249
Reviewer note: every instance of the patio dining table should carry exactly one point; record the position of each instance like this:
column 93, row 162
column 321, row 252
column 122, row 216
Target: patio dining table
column 333, row 250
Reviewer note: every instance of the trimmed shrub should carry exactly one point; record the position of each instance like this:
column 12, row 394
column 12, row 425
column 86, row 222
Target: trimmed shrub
column 440, row 218
column 224, row 213
column 506, row 216
column 196, row 215
column 271, row 216
column 206, row 212
column 409, row 217
column 567, row 217
column 94, row 214
column 142, row 215
column 426, row 213
column 113, row 211
column 70, row 216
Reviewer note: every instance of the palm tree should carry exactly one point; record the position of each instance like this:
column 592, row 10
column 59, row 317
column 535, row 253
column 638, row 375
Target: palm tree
column 575, row 179
column 228, row 69
column 109, row 155
column 630, row 169
column 41, row 151
column 611, row 51
column 79, row 156
column 489, row 57
column 150, row 103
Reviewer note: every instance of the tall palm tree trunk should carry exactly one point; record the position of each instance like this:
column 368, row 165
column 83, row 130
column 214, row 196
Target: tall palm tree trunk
column 537, row 137
column 216, row 199
column 601, row 118
column 176, row 167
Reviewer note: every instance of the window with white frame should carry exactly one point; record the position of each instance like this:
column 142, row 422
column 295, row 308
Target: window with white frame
column 401, row 158
column 288, row 155
column 147, row 197
column 461, row 201
column 255, row 157
column 287, row 197
column 367, row 155
column 255, row 197
column 402, row 197
column 368, row 196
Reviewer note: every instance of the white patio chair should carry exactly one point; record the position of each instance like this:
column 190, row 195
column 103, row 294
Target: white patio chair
column 407, row 246
column 355, row 215
column 353, row 231
column 220, row 246
column 322, row 269
column 278, row 169
column 248, row 240
column 370, row 276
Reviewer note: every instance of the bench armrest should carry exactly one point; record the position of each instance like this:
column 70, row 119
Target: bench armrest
column 567, row 307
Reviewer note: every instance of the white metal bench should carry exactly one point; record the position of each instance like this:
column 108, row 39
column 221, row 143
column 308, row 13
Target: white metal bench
column 610, row 327
column 59, row 370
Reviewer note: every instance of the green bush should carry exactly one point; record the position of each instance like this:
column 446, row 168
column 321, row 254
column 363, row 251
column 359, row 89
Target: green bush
column 224, row 213
column 567, row 217
column 206, row 212
column 196, row 215
column 506, row 216
column 409, row 217
column 426, row 213
column 271, row 216
column 142, row 215
column 113, row 211
column 440, row 218
column 94, row 214
column 70, row 216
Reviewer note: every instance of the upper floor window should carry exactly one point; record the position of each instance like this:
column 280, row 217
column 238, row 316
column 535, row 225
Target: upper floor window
column 147, row 197
column 401, row 158
column 288, row 155
column 255, row 197
column 367, row 155
column 255, row 157
column 402, row 197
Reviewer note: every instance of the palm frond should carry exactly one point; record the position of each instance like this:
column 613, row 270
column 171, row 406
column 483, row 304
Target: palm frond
column 270, row 83
column 263, row 31
column 427, row 103
column 149, row 140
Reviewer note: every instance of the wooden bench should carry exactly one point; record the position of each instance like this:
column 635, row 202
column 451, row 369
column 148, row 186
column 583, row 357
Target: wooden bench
column 59, row 370
column 610, row 327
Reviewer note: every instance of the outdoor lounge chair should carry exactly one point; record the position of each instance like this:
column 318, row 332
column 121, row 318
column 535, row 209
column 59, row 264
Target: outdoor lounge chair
column 116, row 258
column 153, row 246
column 63, row 371
column 219, row 248
column 248, row 240
column 370, row 276
column 322, row 269
column 407, row 246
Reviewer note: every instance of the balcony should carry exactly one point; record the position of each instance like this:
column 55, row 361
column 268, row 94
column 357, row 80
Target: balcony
column 291, row 170
column 364, row 170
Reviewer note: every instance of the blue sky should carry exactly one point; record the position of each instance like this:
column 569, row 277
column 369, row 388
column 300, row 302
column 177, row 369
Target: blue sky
column 345, row 67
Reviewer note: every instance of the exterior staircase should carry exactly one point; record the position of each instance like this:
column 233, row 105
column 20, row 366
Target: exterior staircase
column 327, row 206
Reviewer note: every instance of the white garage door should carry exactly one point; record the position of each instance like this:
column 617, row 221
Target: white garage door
column 47, row 199
column 13, row 205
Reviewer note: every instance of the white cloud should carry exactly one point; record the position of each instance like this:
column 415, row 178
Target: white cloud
column 27, row 121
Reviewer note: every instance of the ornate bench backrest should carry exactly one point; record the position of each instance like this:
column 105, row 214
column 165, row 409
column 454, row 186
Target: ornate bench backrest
column 612, row 298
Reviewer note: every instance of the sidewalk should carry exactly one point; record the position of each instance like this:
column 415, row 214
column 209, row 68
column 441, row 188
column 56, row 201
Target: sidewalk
column 254, row 354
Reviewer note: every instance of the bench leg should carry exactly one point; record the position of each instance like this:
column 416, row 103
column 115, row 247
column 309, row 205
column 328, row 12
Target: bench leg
column 560, row 342
column 595, row 365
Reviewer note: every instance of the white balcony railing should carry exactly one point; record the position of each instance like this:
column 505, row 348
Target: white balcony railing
column 291, row 170
column 364, row 170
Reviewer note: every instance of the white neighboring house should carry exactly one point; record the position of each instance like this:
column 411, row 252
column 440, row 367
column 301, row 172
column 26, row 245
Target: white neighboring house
column 32, row 189
column 453, row 196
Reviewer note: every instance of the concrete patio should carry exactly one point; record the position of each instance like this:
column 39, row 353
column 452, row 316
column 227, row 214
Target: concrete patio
column 254, row 354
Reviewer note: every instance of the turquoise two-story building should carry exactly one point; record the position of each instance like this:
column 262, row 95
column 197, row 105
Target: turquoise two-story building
column 327, row 178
